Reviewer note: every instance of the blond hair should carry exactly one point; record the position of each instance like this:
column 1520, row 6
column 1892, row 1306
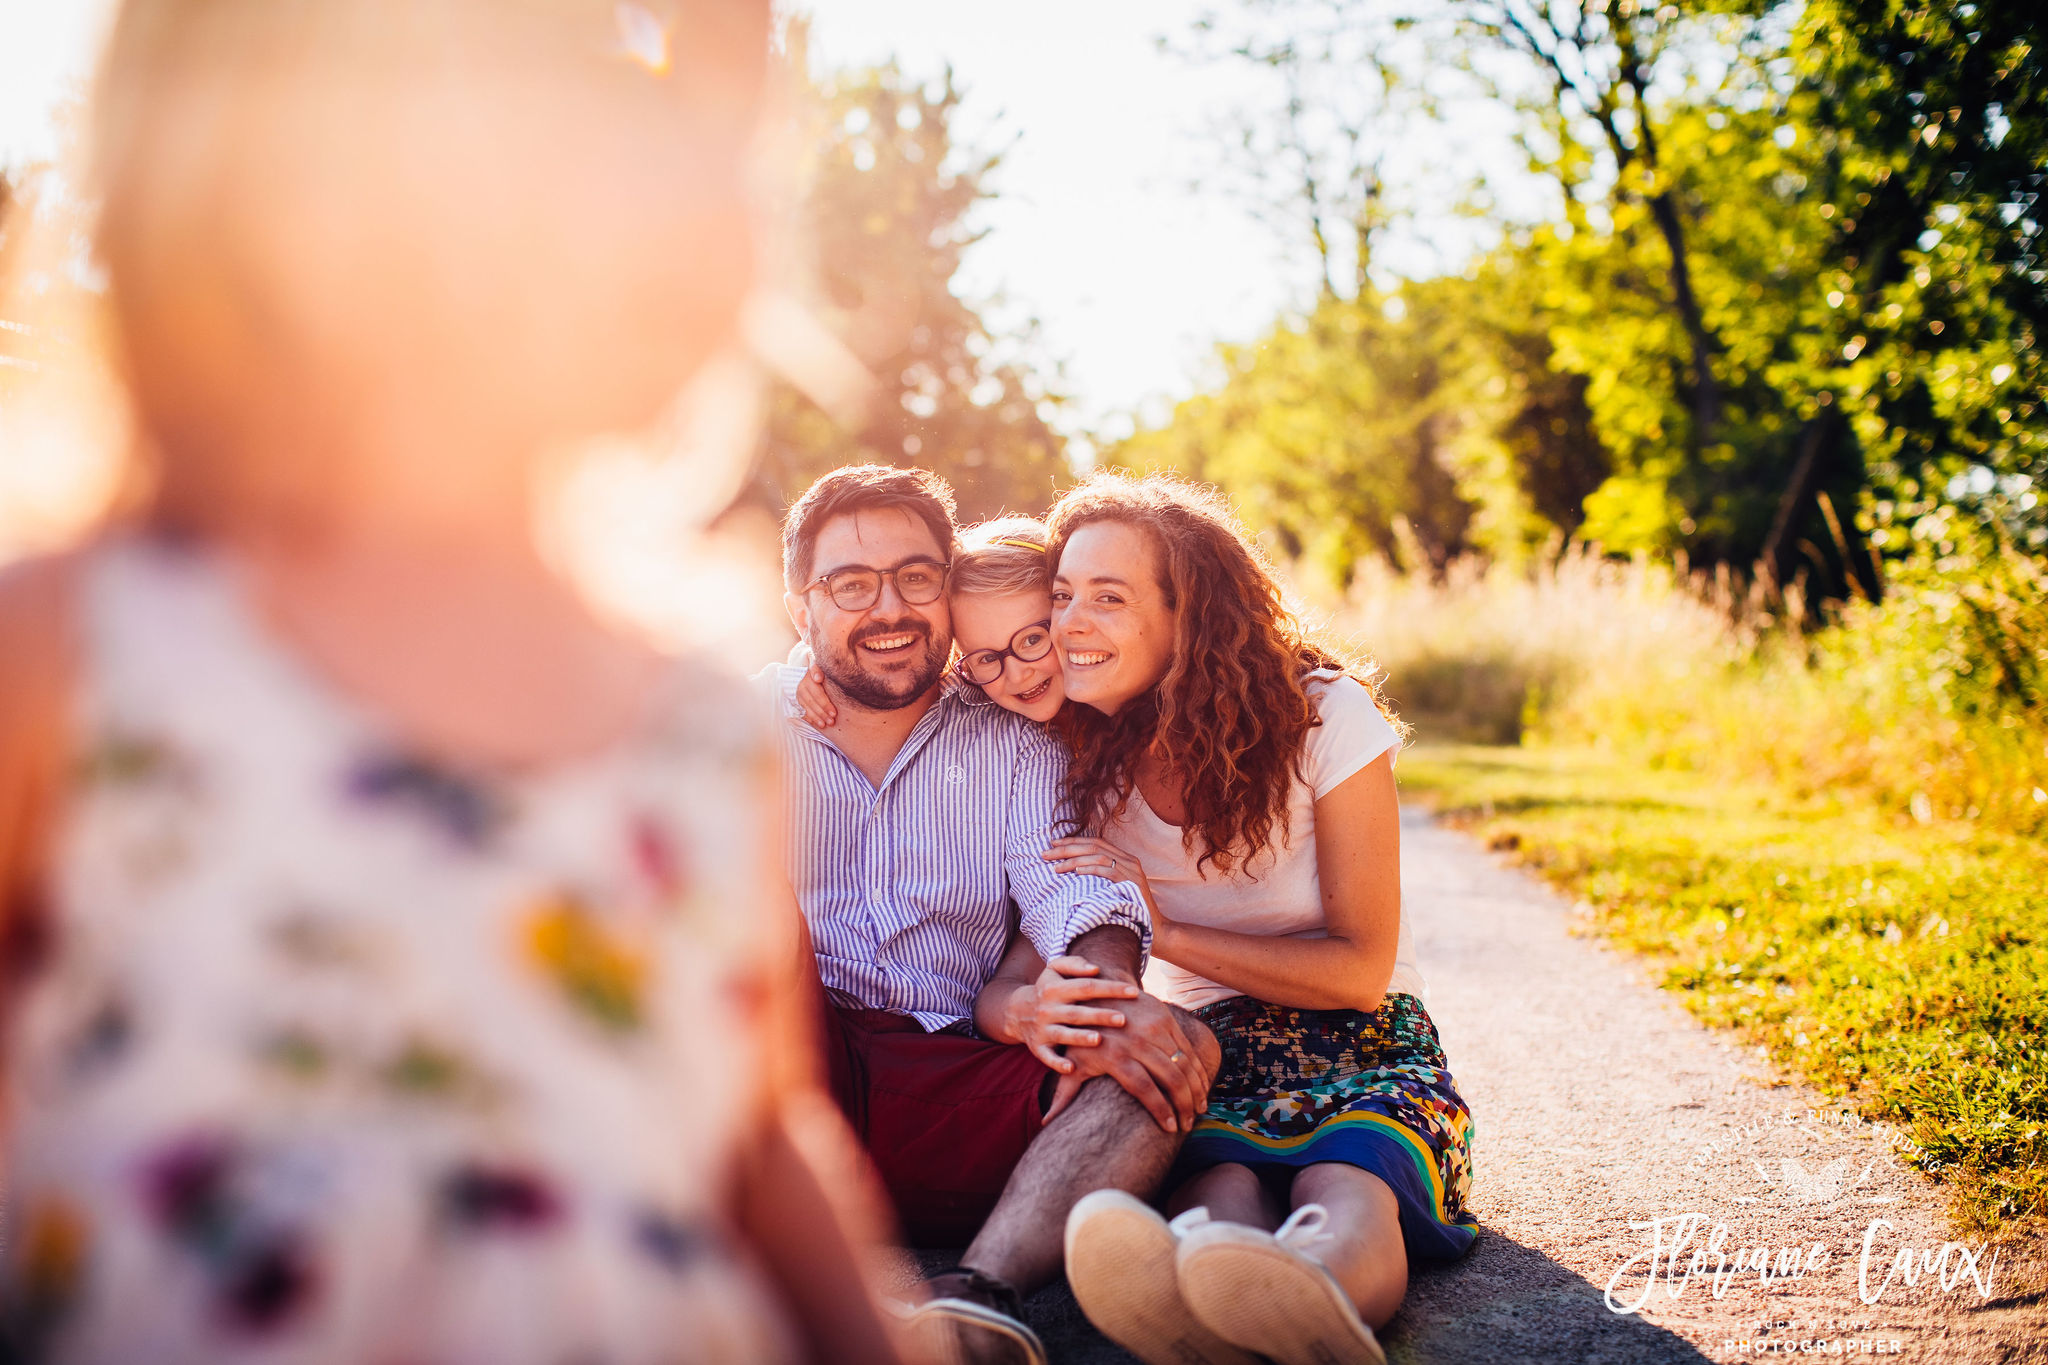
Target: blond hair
column 272, row 204
column 1001, row 555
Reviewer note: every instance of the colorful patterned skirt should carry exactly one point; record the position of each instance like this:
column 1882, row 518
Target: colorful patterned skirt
column 1373, row 1091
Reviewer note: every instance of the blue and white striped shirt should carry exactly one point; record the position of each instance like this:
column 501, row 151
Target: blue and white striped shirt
column 908, row 888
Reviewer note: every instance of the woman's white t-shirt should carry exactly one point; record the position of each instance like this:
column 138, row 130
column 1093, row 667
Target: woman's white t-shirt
column 1280, row 893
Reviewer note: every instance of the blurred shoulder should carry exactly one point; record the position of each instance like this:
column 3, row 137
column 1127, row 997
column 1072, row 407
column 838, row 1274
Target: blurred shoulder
column 38, row 661
column 716, row 712
column 30, row 589
column 38, row 635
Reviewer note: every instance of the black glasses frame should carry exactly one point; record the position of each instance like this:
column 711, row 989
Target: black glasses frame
column 825, row 580
column 1010, row 651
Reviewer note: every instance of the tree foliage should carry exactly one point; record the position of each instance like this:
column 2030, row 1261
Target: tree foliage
column 1931, row 125
column 1336, row 433
column 887, row 213
column 1784, row 315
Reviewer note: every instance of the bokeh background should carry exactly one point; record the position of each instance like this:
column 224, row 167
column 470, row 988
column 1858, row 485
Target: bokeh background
column 1653, row 389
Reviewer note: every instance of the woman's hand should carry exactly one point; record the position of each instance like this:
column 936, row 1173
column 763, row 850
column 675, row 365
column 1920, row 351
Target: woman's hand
column 1099, row 858
column 1053, row 1011
column 816, row 702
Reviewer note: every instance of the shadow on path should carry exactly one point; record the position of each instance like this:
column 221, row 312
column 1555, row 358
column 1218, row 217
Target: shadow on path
column 1510, row 1302
column 1504, row 1302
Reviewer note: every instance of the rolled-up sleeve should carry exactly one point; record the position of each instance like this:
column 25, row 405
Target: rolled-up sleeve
column 1055, row 908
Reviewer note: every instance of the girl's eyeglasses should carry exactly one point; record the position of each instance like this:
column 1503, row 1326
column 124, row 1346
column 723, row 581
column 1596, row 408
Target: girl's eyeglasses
column 1027, row 646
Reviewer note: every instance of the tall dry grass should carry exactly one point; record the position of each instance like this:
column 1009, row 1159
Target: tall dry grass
column 1933, row 702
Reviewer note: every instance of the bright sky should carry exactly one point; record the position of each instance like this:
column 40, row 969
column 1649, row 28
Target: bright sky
column 1095, row 232
column 1133, row 277
column 1112, row 226
column 1133, row 274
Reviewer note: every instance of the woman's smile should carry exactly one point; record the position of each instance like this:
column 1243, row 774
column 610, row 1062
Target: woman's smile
column 1111, row 616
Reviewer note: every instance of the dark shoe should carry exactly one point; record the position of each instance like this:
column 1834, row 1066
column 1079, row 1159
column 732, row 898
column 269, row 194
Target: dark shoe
column 972, row 1318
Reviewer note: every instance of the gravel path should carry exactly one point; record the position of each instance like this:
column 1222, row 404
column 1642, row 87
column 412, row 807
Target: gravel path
column 1600, row 1104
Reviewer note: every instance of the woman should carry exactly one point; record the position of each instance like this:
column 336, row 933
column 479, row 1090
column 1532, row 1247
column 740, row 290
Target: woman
column 395, row 968
column 1244, row 778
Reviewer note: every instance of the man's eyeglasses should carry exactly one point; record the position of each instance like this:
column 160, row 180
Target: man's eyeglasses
column 857, row 588
column 1027, row 646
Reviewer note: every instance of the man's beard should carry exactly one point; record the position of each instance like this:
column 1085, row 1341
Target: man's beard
column 844, row 670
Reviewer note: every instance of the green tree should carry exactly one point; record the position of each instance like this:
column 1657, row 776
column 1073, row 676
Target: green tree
column 1793, row 282
column 886, row 216
column 1931, row 123
column 1535, row 429
column 1338, row 434
column 1743, row 181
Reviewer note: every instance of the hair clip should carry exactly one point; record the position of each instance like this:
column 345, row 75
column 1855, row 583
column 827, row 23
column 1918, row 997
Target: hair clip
column 1022, row 545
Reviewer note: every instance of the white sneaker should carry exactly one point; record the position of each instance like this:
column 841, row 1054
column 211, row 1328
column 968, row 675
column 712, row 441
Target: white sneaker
column 1120, row 1263
column 1265, row 1292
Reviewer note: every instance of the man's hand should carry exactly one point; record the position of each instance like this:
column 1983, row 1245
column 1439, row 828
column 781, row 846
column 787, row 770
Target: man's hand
column 1152, row 1058
column 1053, row 1012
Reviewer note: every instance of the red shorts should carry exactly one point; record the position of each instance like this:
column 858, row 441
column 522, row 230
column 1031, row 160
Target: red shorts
column 944, row 1117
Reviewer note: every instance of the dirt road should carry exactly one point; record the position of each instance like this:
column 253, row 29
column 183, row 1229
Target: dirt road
column 1602, row 1107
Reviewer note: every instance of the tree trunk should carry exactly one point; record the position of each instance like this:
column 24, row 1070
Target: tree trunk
column 1816, row 451
column 1706, row 390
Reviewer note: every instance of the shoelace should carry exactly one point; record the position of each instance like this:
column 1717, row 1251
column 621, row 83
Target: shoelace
column 1303, row 1230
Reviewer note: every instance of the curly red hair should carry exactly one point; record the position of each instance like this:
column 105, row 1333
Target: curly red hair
column 1231, row 716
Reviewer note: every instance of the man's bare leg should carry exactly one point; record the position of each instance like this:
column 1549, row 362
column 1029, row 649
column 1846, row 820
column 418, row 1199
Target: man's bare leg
column 1104, row 1140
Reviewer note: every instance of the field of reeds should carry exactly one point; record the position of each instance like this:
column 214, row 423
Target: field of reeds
column 1826, row 835
column 1932, row 704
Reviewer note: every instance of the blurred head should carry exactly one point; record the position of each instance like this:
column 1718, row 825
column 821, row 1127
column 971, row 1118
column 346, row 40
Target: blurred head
column 1176, row 640
column 865, row 553
column 380, row 252
column 1001, row 616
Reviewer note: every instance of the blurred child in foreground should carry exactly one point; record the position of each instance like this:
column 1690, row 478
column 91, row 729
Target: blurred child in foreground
column 395, row 969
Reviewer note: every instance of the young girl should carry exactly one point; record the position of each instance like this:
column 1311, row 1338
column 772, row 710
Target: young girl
column 394, row 963
column 1244, row 778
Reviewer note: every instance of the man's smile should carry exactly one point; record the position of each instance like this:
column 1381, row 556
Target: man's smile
column 890, row 644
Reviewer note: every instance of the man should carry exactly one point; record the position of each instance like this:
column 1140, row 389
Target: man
column 914, row 827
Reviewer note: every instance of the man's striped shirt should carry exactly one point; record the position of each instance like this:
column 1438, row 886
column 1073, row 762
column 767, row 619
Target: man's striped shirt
column 908, row 887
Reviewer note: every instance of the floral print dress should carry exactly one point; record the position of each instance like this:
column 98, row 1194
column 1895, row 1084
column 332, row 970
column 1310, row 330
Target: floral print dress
column 330, row 1053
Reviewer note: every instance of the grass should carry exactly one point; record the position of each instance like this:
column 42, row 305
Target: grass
column 1899, row 965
